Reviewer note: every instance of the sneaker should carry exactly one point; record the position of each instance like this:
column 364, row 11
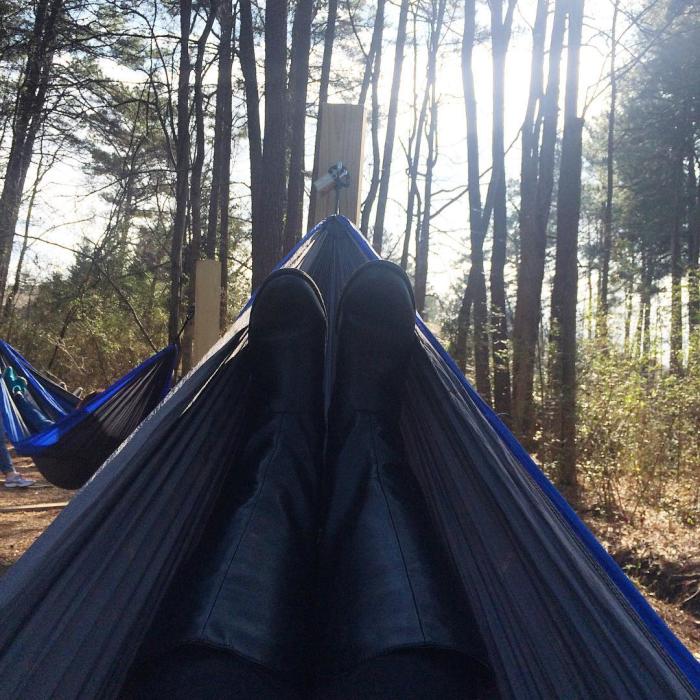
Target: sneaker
column 17, row 481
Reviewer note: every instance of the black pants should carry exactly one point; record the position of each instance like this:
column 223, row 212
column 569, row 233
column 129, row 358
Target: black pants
column 195, row 672
column 316, row 577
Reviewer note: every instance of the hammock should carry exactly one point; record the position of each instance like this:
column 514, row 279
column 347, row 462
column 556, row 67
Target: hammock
column 68, row 443
column 559, row 617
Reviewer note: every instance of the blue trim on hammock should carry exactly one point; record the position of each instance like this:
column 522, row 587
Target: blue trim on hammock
column 668, row 640
column 35, row 444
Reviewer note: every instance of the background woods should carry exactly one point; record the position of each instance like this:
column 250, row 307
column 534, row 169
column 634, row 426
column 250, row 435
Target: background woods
column 533, row 164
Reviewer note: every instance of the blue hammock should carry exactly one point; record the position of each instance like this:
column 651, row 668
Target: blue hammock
column 559, row 618
column 68, row 443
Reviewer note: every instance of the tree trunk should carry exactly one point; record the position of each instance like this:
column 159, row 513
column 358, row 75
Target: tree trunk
column 676, row 336
column 645, row 313
column 537, row 180
column 246, row 45
column 606, row 247
column 226, row 124
column 42, row 169
column 27, row 120
column 423, row 238
column 267, row 241
column 374, row 46
column 298, row 80
column 564, row 288
column 414, row 149
column 478, row 223
column 378, row 233
column 376, row 68
column 182, row 166
column 693, row 254
column 328, row 40
column 500, row 39
column 192, row 253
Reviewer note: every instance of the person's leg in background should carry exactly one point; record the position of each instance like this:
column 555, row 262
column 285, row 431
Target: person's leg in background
column 395, row 622
column 31, row 415
column 13, row 479
column 238, row 621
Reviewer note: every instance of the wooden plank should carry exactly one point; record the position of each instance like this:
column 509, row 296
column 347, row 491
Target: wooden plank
column 207, row 300
column 342, row 139
column 34, row 506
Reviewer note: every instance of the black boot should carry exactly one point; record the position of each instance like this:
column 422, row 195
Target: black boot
column 387, row 585
column 249, row 590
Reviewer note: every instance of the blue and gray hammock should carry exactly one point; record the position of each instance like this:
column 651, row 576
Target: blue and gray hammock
column 67, row 442
column 559, row 617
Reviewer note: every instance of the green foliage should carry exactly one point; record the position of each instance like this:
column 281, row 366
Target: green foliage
column 639, row 443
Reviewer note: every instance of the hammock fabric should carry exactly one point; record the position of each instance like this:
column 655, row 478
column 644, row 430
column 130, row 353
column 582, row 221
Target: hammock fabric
column 559, row 618
column 69, row 444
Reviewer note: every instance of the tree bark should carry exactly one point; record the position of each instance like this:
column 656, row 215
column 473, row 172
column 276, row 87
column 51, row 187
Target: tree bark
column 267, row 241
column 693, row 269
column 226, row 65
column 375, row 72
column 606, row 247
column 500, row 39
column 193, row 250
column 328, row 41
column 378, row 233
column 478, row 223
column 246, row 46
column 182, row 166
column 298, row 80
column 565, row 285
column 27, row 120
column 415, row 142
column 423, row 238
column 676, row 337
column 537, row 180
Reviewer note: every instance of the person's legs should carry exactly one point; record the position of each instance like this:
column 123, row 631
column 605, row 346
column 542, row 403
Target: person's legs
column 31, row 415
column 13, row 479
column 249, row 588
column 386, row 581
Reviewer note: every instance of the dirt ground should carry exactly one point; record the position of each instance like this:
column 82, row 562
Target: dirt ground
column 19, row 528
column 653, row 563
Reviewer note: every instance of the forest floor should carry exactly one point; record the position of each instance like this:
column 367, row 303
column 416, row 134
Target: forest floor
column 660, row 556
column 26, row 513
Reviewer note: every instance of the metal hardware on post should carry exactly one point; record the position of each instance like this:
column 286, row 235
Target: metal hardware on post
column 341, row 178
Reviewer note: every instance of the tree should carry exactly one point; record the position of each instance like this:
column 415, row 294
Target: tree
column 298, row 81
column 328, row 41
column 565, row 285
column 539, row 138
column 378, row 233
column 373, row 69
column 268, row 239
column 182, row 168
column 423, row 237
column 29, row 112
column 246, row 47
column 475, row 292
column 500, row 39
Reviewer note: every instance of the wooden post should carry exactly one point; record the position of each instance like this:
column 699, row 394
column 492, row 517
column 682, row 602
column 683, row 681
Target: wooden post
column 342, row 139
column 207, row 300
